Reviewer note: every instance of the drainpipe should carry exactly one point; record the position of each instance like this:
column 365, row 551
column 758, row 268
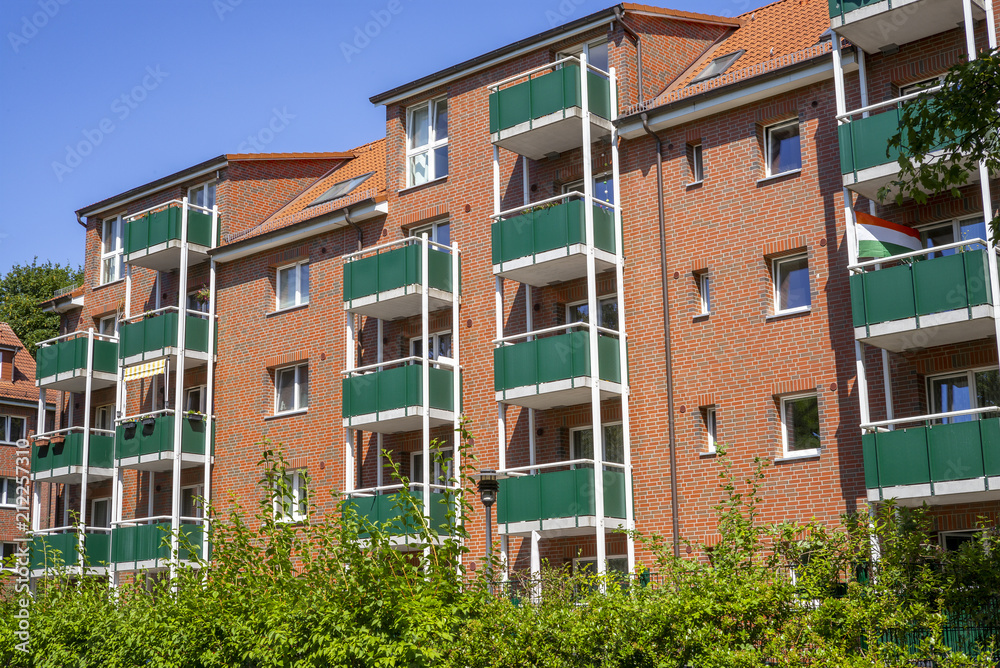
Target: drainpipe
column 668, row 363
column 638, row 48
column 361, row 236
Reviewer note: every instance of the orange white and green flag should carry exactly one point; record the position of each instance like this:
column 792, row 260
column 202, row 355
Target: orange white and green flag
column 880, row 238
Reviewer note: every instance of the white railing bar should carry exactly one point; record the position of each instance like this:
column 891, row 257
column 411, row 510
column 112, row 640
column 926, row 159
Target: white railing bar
column 540, row 68
column 66, row 430
column 73, row 335
column 556, row 328
column 368, row 492
column 72, row 528
column 550, row 465
column 141, row 520
column 406, row 241
column 139, row 416
column 542, row 202
column 889, row 103
column 872, row 426
column 166, row 205
column 379, row 365
column 56, row 529
column 149, row 314
column 924, row 251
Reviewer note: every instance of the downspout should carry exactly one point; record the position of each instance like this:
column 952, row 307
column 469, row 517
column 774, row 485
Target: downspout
column 668, row 363
column 619, row 16
column 361, row 236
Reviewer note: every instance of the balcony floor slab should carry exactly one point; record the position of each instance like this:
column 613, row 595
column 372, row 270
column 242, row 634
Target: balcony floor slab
column 399, row 420
column 900, row 21
column 973, row 490
column 583, row 525
column 72, row 475
column 557, row 132
column 167, row 256
column 557, row 394
column 402, row 302
column 554, row 266
column 160, row 461
column 192, row 358
column 75, row 380
column 937, row 329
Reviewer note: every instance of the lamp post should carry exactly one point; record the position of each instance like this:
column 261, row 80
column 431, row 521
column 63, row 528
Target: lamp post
column 488, row 488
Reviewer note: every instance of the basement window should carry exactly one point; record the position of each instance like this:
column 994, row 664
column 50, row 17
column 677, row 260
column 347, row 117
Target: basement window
column 718, row 66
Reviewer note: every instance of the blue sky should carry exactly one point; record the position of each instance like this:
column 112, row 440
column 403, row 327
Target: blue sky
column 100, row 96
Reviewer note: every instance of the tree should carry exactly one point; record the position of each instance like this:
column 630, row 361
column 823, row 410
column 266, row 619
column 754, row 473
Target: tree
column 22, row 290
column 962, row 121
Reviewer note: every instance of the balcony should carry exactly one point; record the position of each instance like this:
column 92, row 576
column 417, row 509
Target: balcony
column 153, row 238
column 385, row 508
column 874, row 24
column 58, row 456
column 934, row 463
column 542, row 114
column 59, row 550
column 61, row 363
column 147, row 444
column 154, row 337
column 391, row 400
column 920, row 303
column 144, row 546
column 554, row 371
column 389, row 284
column 559, row 503
column 542, row 246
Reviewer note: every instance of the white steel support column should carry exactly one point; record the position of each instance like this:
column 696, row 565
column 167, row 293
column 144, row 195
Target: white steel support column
column 85, row 469
column 887, row 387
column 592, row 309
column 501, row 407
column 456, row 379
column 380, row 351
column 36, row 499
column 425, row 376
column 175, row 491
column 351, row 361
column 529, row 316
column 206, row 488
column 626, row 382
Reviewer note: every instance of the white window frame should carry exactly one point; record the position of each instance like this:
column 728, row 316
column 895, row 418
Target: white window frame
column 8, row 492
column 970, row 375
column 194, row 304
column 93, row 511
column 196, row 491
column 704, row 293
column 113, row 319
column 577, row 561
column 577, row 186
column 436, row 472
column 573, row 454
column 208, row 188
column 297, row 481
column 5, row 428
column 601, row 301
column 786, row 452
column 969, row 534
column 300, row 298
column 433, row 143
column 956, row 232
column 203, row 397
column 435, row 341
column 433, row 231
column 697, row 163
column 8, row 546
column 776, row 283
column 916, row 86
column 115, row 226
column 110, row 411
column 298, row 408
column 575, row 51
column 711, row 416
column 767, row 146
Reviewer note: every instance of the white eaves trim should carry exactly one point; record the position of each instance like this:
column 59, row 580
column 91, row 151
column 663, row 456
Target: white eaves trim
column 700, row 106
column 327, row 223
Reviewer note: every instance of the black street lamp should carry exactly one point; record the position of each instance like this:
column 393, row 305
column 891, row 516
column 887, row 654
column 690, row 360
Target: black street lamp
column 488, row 488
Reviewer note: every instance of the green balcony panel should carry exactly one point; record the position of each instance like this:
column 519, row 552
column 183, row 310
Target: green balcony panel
column 546, row 229
column 150, row 336
column 902, row 457
column 956, row 451
column 161, row 226
column 70, row 453
column 864, row 142
column 553, row 358
column 62, row 550
column 395, row 388
column 150, row 542
column 159, row 437
column 547, row 94
column 395, row 269
column 71, row 355
column 386, row 508
column 841, row 7
column 924, row 287
column 557, row 494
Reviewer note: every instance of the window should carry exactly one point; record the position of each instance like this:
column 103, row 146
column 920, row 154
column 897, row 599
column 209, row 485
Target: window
column 291, row 503
column 293, row 285
column 196, row 302
column 963, row 391
column 191, row 502
column 439, row 233
column 12, row 428
column 782, row 148
column 604, row 188
column 582, row 444
column 704, row 292
column 202, row 195
column 608, row 306
column 440, row 474
column 108, row 325
column 791, row 284
column 7, row 551
column 953, row 540
column 710, row 428
column 952, row 231
column 800, row 425
column 718, row 66
column 918, row 86
column 194, row 399
column 8, row 492
column 104, row 417
column 112, row 231
column 342, row 189
column 291, row 388
column 695, row 163
column 617, row 564
column 597, row 53
column 100, row 513
column 427, row 142
column 440, row 348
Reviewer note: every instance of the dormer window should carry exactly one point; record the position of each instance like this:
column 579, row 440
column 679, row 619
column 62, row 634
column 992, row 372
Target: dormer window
column 718, row 66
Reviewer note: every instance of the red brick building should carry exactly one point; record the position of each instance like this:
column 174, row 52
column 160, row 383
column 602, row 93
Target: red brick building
column 692, row 179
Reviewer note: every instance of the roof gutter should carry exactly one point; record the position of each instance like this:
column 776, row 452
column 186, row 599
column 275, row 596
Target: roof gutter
column 668, row 360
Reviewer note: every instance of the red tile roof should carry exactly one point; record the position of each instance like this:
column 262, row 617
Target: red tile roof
column 369, row 158
column 22, row 388
column 288, row 156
